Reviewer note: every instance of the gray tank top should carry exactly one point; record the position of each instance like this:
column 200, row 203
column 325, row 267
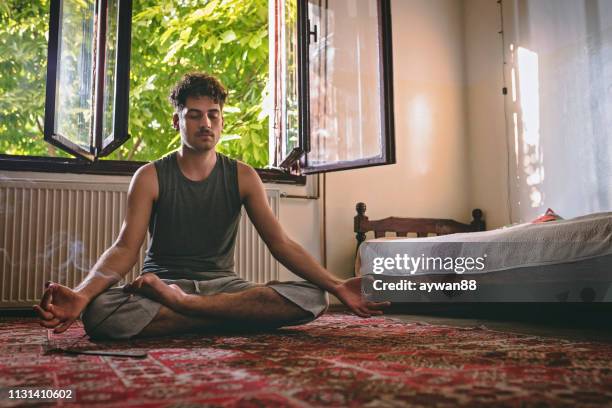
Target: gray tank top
column 193, row 225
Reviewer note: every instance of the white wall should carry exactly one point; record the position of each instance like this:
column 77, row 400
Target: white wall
column 431, row 177
column 485, row 111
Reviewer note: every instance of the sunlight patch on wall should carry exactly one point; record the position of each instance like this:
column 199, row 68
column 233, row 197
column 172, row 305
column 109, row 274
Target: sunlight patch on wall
column 420, row 122
column 529, row 96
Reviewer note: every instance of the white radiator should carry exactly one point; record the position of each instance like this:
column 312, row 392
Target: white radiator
column 52, row 230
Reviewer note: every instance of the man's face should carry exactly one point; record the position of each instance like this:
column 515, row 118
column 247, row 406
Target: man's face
column 200, row 123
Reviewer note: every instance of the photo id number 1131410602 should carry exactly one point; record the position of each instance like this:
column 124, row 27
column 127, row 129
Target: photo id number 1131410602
column 39, row 394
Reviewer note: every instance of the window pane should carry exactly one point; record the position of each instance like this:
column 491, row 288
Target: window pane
column 228, row 39
column 291, row 75
column 284, row 79
column 345, row 97
column 23, row 67
column 74, row 82
column 111, row 69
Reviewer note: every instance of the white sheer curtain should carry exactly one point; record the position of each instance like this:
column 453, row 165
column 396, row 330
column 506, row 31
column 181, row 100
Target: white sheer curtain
column 558, row 56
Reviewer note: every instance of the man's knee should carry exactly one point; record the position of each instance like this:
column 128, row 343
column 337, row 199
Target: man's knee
column 321, row 304
column 311, row 312
column 324, row 304
column 115, row 315
column 95, row 320
column 311, row 300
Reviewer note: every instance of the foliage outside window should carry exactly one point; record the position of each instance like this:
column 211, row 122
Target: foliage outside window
column 227, row 38
column 24, row 29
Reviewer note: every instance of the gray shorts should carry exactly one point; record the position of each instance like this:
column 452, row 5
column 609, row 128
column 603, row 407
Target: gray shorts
column 139, row 311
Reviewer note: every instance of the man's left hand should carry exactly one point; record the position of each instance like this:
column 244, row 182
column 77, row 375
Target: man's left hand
column 349, row 292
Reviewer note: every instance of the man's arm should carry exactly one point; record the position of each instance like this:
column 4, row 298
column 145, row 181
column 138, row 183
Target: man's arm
column 290, row 253
column 60, row 305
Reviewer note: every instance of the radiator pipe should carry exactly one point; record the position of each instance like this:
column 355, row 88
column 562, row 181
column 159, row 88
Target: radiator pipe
column 304, row 197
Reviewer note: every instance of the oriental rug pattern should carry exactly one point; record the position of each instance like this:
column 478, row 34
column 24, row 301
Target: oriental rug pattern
column 338, row 360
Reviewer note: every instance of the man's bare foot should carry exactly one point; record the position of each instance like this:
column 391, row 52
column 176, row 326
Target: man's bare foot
column 151, row 286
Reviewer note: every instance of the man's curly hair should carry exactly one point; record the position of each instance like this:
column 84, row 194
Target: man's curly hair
column 197, row 84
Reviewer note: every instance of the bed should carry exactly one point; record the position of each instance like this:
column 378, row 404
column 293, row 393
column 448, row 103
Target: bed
column 564, row 261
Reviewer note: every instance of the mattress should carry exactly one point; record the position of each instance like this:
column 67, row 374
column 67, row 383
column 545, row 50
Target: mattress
column 561, row 261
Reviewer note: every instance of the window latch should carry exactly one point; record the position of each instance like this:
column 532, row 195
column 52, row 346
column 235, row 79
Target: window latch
column 292, row 162
column 313, row 33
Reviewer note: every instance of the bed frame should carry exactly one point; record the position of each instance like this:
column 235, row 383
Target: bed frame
column 595, row 315
column 404, row 226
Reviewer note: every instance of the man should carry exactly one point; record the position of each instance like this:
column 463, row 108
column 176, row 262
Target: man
column 190, row 200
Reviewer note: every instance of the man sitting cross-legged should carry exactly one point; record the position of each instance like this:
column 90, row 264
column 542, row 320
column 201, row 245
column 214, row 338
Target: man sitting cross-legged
column 190, row 200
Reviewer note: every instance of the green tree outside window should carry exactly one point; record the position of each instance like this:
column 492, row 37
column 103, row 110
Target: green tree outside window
column 227, row 38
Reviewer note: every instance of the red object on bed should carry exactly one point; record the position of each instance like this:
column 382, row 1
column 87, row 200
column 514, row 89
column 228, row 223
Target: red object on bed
column 548, row 216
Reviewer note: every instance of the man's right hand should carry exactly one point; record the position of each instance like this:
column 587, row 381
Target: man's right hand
column 349, row 292
column 59, row 307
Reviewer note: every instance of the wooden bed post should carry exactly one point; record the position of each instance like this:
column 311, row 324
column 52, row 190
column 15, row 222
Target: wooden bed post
column 478, row 223
column 359, row 219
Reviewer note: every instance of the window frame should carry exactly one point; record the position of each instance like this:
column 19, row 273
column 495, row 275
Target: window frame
column 298, row 158
column 98, row 146
column 114, row 167
column 295, row 160
column 80, row 164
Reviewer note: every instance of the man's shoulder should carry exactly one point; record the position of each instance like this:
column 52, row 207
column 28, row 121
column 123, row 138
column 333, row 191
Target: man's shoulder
column 248, row 179
column 146, row 171
column 244, row 170
column 165, row 159
column 149, row 171
column 145, row 178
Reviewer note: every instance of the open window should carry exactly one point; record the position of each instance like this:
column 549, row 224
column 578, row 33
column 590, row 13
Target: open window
column 345, row 86
column 331, row 84
column 86, row 104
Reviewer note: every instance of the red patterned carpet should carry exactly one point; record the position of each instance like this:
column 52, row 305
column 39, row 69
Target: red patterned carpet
column 339, row 360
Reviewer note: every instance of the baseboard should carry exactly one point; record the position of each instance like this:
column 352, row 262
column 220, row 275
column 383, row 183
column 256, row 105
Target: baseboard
column 17, row 312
